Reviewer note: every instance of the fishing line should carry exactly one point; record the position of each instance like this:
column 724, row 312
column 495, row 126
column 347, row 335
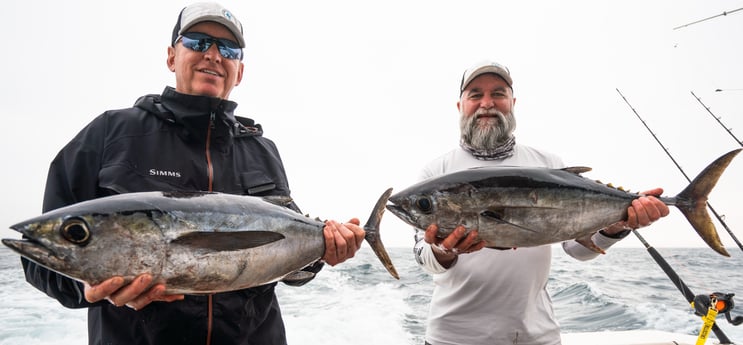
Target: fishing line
column 705, row 19
column 672, row 275
column 729, row 130
column 719, row 218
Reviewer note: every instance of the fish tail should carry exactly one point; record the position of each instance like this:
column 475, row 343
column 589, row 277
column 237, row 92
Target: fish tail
column 692, row 201
column 372, row 233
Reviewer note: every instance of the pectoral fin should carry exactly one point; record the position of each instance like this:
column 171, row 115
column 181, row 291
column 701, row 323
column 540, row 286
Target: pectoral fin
column 227, row 241
column 497, row 217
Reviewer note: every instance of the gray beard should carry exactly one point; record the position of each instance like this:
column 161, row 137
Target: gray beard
column 489, row 137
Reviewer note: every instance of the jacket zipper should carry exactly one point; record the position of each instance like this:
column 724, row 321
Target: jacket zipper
column 209, row 167
column 210, row 173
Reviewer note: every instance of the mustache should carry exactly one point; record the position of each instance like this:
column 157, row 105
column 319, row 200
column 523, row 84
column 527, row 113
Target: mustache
column 491, row 111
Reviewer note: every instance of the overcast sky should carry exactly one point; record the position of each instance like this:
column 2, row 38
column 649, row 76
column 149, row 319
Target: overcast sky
column 359, row 96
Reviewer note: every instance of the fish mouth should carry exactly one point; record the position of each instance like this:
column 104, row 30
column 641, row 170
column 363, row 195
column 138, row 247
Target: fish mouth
column 30, row 249
column 402, row 214
column 38, row 253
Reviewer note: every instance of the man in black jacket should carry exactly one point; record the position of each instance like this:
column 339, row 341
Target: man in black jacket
column 185, row 139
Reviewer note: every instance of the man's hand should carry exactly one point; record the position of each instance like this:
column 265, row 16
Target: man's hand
column 458, row 242
column 342, row 240
column 136, row 295
column 644, row 211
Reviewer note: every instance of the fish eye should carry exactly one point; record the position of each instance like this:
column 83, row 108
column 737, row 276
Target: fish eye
column 76, row 231
column 424, row 204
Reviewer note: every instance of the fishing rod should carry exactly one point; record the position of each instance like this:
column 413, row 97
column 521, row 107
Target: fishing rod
column 697, row 302
column 701, row 20
column 718, row 119
column 719, row 218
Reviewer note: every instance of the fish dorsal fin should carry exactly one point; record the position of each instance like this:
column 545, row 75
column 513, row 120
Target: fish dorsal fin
column 281, row 200
column 577, row 170
column 227, row 241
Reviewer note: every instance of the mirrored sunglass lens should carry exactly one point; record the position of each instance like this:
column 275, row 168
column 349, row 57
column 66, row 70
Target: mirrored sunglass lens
column 229, row 49
column 201, row 43
column 229, row 53
column 196, row 44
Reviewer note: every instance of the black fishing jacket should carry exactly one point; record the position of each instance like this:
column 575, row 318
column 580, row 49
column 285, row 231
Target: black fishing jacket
column 169, row 142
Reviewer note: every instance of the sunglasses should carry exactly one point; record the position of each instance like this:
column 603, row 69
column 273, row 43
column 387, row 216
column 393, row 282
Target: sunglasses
column 199, row 42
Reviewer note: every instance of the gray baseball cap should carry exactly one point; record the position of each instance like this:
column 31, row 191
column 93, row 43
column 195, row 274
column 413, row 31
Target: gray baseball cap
column 207, row 12
column 481, row 68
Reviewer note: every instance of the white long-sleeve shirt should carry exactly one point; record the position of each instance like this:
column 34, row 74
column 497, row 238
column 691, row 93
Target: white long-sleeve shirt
column 495, row 296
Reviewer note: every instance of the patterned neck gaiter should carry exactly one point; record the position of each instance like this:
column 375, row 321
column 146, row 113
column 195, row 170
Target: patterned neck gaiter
column 503, row 151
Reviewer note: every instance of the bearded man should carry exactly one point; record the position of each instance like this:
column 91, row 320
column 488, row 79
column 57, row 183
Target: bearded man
column 486, row 295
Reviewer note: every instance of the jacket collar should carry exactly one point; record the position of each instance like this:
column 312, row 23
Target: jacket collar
column 192, row 114
column 187, row 107
column 200, row 115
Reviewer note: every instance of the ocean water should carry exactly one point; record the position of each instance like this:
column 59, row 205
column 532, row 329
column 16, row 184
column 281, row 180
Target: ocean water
column 358, row 303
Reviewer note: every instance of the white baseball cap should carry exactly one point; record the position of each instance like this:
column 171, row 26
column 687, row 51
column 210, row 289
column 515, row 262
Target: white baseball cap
column 207, row 12
column 483, row 67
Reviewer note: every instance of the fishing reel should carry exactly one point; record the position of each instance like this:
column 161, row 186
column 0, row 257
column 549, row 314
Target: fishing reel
column 722, row 303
